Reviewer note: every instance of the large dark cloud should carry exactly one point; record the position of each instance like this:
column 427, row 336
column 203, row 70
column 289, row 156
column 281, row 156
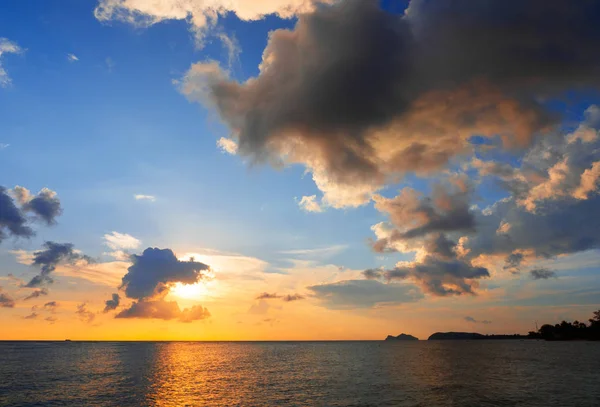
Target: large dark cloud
column 149, row 280
column 161, row 309
column 154, row 270
column 53, row 255
column 361, row 96
column 6, row 301
column 350, row 294
column 113, row 303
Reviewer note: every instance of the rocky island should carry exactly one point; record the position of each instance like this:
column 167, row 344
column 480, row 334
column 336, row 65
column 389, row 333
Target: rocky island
column 401, row 337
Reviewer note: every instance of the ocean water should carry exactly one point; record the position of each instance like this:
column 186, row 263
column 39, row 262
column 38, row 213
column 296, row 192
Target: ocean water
column 444, row 373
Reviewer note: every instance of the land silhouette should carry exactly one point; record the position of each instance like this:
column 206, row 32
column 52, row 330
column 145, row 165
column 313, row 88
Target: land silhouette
column 565, row 331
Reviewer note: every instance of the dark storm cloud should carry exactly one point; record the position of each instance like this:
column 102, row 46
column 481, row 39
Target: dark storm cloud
column 53, row 255
column 36, row 293
column 112, row 303
column 166, row 310
column 155, row 269
column 6, row 301
column 474, row 321
column 359, row 94
column 542, row 274
column 12, row 220
column 364, row 294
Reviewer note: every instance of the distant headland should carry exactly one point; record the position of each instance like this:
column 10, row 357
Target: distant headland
column 565, row 331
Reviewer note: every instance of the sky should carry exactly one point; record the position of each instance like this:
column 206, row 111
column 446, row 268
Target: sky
column 291, row 170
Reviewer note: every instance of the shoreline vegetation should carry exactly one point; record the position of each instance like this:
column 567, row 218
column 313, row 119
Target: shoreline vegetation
column 565, row 331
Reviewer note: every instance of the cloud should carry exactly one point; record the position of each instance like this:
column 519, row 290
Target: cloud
column 161, row 309
column 320, row 101
column 310, row 204
column 155, row 270
column 83, row 314
column 474, row 321
column 51, row 319
column 227, row 145
column 36, row 294
column 542, row 274
column 12, row 220
column 4, row 145
column 139, row 197
column 51, row 306
column 201, row 15
column 113, row 303
column 72, row 58
column 7, row 47
column 6, row 301
column 45, row 204
column 285, row 298
column 350, row 294
column 33, row 315
column 53, row 255
column 120, row 243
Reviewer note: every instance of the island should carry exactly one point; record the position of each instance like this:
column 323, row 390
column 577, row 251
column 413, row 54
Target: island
column 401, row 337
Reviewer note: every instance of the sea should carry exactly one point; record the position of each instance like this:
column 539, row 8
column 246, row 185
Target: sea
column 423, row 373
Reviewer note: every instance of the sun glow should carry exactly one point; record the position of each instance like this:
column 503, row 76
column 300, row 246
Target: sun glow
column 190, row 291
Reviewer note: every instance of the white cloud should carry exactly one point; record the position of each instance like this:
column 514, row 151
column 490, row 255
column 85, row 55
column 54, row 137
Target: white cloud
column 140, row 197
column 227, row 145
column 7, row 47
column 116, row 241
column 72, row 58
column 202, row 15
column 310, row 204
column 3, row 146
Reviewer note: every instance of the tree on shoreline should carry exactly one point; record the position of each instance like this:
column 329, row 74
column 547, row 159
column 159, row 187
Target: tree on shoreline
column 566, row 331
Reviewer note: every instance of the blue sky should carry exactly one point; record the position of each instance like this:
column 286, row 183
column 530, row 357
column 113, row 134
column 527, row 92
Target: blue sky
column 98, row 109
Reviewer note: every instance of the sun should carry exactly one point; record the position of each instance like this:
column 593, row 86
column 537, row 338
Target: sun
column 189, row 291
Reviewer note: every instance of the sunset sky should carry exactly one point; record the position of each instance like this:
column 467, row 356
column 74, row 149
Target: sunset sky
column 281, row 169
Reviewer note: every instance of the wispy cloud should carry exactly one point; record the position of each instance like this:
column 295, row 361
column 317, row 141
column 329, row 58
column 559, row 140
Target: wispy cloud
column 3, row 146
column 227, row 145
column 475, row 321
column 72, row 58
column 141, row 197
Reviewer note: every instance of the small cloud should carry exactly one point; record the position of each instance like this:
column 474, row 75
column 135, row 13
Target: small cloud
column 475, row 321
column 83, row 314
column 72, row 58
column 117, row 241
column 140, row 197
column 112, row 303
column 542, row 274
column 51, row 306
column 310, row 204
column 51, row 319
column 33, row 315
column 36, row 294
column 292, row 297
column 3, row 146
column 6, row 301
column 7, row 47
column 227, row 145
column 267, row 296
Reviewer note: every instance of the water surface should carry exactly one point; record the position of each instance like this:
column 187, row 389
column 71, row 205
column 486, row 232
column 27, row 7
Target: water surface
column 444, row 373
